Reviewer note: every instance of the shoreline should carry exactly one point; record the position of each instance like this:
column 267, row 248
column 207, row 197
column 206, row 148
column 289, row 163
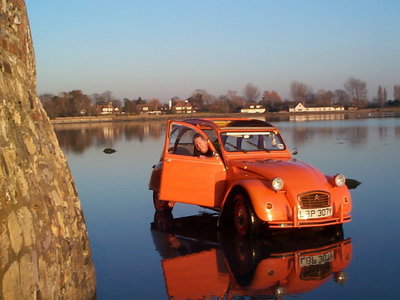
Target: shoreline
column 268, row 116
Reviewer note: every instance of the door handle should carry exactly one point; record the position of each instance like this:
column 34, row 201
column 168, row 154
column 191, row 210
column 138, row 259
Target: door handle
column 168, row 160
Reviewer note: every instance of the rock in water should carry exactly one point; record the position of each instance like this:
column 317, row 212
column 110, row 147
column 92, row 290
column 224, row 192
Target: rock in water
column 44, row 247
column 109, row 151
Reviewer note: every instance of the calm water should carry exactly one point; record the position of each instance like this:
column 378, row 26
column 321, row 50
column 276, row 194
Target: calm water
column 140, row 256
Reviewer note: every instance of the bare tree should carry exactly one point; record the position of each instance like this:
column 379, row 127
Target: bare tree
column 341, row 97
column 221, row 104
column 396, row 92
column 102, row 98
column 384, row 96
column 129, row 106
column 251, row 92
column 271, row 100
column 201, row 99
column 236, row 100
column 357, row 90
column 155, row 103
column 271, row 97
column 299, row 91
column 381, row 97
column 324, row 97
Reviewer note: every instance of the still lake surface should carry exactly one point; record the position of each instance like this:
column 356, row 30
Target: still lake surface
column 137, row 257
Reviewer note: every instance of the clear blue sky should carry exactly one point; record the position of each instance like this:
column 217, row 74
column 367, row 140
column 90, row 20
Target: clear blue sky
column 170, row 48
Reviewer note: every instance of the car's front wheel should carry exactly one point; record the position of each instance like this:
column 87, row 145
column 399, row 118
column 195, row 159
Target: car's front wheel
column 161, row 205
column 245, row 220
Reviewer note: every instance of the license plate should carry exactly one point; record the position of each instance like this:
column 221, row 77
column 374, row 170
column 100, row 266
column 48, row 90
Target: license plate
column 313, row 260
column 313, row 213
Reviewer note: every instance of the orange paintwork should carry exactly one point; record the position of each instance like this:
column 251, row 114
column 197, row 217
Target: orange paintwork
column 198, row 265
column 211, row 182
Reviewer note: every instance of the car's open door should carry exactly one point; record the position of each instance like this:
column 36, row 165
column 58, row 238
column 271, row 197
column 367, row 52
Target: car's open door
column 187, row 178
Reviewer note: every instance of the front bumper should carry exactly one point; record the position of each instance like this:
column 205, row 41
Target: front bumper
column 338, row 218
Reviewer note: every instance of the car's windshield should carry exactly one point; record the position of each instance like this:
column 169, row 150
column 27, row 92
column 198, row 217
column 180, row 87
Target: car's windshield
column 252, row 141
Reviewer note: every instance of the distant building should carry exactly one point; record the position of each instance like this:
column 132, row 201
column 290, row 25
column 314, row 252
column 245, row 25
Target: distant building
column 147, row 109
column 107, row 109
column 253, row 109
column 181, row 107
column 300, row 107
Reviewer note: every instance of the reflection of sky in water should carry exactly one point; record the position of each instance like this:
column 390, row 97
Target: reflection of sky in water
column 118, row 208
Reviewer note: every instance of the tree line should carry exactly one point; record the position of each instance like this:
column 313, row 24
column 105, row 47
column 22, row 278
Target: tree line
column 353, row 94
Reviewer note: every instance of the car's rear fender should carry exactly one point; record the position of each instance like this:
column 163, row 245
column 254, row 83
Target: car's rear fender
column 155, row 178
column 268, row 205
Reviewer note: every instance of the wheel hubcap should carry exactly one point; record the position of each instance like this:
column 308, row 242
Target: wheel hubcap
column 241, row 218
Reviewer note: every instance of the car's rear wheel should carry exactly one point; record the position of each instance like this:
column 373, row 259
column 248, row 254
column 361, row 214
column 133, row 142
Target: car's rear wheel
column 245, row 220
column 161, row 205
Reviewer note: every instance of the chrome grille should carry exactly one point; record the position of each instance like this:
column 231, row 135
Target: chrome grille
column 314, row 200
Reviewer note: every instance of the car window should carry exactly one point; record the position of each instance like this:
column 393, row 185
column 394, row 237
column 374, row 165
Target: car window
column 181, row 140
column 252, row 141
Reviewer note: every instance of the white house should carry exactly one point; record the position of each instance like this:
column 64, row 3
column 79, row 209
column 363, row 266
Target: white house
column 300, row 107
column 181, row 107
column 107, row 109
column 253, row 109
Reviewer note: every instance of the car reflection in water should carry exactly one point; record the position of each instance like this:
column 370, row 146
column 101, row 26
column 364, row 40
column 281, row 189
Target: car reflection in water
column 198, row 261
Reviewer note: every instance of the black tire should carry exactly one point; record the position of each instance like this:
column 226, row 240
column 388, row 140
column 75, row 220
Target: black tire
column 163, row 221
column 245, row 220
column 244, row 259
column 161, row 205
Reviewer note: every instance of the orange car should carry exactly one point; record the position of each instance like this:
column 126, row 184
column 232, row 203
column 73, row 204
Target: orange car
column 248, row 175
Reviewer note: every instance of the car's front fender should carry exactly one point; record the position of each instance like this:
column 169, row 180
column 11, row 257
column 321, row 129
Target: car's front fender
column 268, row 204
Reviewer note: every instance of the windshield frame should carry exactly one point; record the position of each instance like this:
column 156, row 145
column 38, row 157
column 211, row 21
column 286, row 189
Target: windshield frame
column 264, row 141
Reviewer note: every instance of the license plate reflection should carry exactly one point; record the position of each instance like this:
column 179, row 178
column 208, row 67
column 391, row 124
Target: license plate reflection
column 313, row 260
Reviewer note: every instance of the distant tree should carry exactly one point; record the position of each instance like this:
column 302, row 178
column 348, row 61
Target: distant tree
column 196, row 99
column 357, row 89
column 140, row 101
column 220, row 104
column 155, row 103
column 107, row 96
column 251, row 92
column 324, row 98
column 48, row 105
column 235, row 101
column 379, row 97
column 78, row 103
column 271, row 97
column 201, row 99
column 271, row 100
column 116, row 103
column 300, row 91
column 103, row 98
column 384, row 96
column 341, row 97
column 97, row 98
column 67, row 104
column 129, row 106
column 396, row 92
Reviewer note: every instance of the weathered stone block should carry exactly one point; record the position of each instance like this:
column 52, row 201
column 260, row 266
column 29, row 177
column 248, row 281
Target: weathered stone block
column 44, row 247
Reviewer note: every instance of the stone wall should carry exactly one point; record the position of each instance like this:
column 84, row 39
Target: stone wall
column 44, row 247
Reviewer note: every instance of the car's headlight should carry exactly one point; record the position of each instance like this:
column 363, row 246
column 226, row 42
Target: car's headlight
column 340, row 180
column 277, row 184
